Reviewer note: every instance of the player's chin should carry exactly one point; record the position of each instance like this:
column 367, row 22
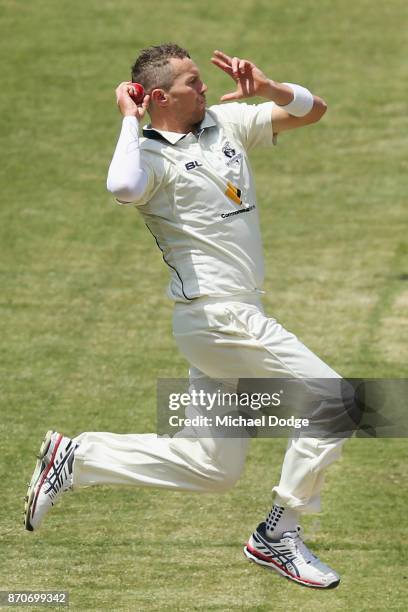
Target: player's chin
column 201, row 111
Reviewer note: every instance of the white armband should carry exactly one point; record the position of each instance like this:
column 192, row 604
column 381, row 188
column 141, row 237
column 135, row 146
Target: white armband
column 302, row 102
column 126, row 179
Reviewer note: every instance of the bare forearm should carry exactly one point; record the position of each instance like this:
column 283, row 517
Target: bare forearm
column 280, row 93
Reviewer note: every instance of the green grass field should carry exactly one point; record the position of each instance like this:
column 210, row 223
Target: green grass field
column 86, row 331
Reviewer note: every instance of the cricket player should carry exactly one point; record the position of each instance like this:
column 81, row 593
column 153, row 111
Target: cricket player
column 190, row 178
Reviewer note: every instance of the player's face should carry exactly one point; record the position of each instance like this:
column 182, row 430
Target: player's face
column 187, row 93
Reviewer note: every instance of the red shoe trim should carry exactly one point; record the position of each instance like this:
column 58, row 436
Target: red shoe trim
column 258, row 554
column 44, row 474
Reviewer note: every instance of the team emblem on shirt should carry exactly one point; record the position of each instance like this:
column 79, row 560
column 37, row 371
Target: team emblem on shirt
column 228, row 150
column 231, row 154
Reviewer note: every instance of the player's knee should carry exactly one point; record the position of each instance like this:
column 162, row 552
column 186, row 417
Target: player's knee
column 228, row 473
column 224, row 481
column 220, row 462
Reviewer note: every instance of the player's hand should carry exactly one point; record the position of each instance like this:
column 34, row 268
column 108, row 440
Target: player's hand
column 127, row 105
column 249, row 79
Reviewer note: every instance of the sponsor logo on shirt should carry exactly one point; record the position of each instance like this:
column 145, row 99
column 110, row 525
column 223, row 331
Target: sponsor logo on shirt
column 233, row 193
column 193, row 164
column 237, row 212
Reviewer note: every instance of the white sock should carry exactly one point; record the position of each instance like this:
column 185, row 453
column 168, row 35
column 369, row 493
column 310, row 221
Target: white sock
column 279, row 520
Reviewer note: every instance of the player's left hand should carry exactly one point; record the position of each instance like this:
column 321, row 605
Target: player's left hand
column 249, row 79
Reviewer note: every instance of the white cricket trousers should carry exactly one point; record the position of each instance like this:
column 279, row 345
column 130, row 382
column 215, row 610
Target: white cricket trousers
column 228, row 338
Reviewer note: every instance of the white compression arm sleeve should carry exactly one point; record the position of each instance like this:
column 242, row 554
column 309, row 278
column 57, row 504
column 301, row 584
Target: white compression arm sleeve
column 126, row 179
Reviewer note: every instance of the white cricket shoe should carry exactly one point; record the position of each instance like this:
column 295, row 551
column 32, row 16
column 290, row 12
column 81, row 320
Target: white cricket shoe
column 291, row 558
column 52, row 476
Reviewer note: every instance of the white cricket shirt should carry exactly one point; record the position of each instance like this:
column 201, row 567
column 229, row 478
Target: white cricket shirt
column 200, row 203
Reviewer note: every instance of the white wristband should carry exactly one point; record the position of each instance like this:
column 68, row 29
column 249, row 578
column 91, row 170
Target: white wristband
column 302, row 102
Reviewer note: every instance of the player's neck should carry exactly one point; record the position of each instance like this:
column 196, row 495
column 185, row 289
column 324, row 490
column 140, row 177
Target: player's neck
column 172, row 124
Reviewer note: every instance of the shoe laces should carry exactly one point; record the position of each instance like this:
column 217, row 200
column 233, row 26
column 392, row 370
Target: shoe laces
column 60, row 476
column 299, row 548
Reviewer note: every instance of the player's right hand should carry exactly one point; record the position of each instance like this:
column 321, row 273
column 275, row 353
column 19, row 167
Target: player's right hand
column 127, row 105
column 250, row 80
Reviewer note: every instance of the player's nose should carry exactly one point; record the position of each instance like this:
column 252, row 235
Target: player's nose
column 204, row 89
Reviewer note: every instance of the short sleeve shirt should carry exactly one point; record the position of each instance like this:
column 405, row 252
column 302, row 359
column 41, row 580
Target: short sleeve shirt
column 200, row 202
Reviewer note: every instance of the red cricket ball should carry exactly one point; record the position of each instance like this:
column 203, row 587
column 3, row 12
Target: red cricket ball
column 139, row 93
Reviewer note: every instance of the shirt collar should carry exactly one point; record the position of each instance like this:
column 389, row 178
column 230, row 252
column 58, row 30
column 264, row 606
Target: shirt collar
column 174, row 137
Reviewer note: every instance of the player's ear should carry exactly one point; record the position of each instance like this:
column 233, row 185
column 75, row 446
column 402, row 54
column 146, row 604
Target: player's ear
column 159, row 97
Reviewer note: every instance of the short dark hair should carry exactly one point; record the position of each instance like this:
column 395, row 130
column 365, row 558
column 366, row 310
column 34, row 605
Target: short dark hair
column 151, row 69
